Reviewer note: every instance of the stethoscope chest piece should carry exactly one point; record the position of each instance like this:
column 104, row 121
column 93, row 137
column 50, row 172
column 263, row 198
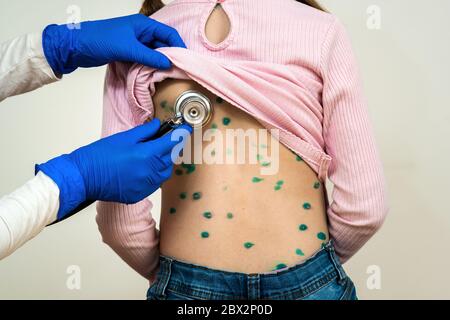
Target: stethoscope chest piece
column 191, row 107
column 194, row 107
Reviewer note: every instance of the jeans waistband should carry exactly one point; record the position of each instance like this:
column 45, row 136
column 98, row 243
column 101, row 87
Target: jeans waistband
column 200, row 282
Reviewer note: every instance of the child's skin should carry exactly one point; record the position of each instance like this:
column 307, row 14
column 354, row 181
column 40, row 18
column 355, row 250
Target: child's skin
column 229, row 216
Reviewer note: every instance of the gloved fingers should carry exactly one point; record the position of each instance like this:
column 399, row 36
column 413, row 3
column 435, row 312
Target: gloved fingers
column 166, row 143
column 166, row 173
column 145, row 131
column 159, row 163
column 186, row 127
column 151, row 29
column 155, row 44
column 148, row 57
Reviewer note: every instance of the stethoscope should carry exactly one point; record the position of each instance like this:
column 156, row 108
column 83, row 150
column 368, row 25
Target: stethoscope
column 191, row 107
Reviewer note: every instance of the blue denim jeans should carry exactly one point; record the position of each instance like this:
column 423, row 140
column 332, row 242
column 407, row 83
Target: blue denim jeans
column 321, row 277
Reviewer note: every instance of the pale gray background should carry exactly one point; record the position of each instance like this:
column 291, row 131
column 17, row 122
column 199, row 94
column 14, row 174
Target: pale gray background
column 405, row 67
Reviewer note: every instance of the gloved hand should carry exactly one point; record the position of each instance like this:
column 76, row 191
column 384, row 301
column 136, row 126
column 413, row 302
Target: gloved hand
column 126, row 167
column 96, row 43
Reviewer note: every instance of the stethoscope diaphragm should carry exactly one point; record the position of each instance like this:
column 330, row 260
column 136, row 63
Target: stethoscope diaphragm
column 191, row 107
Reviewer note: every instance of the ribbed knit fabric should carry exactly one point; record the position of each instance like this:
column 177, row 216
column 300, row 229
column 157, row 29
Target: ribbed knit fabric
column 286, row 64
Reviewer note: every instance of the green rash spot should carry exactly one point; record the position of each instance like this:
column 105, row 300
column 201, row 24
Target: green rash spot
column 279, row 184
column 214, row 126
column 179, row 172
column 213, row 153
column 207, row 215
column 299, row 252
column 172, row 210
column 197, row 195
column 183, row 195
column 298, row 158
column 259, row 157
column 303, row 227
column 190, row 168
column 248, row 245
column 316, row 185
column 226, row 121
column 306, row 206
column 266, row 164
column 204, row 234
column 229, row 215
column 164, row 105
column 219, row 100
column 256, row 179
column 322, row 236
column 280, row 266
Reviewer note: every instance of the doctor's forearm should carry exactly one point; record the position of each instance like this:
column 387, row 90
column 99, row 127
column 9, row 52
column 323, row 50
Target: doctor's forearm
column 26, row 211
column 23, row 66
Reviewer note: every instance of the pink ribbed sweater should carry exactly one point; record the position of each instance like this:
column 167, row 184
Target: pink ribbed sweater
column 291, row 67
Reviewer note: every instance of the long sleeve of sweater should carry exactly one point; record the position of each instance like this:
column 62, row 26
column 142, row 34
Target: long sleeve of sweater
column 359, row 200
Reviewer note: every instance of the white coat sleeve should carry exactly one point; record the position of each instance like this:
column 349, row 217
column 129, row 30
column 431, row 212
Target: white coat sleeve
column 23, row 66
column 26, row 212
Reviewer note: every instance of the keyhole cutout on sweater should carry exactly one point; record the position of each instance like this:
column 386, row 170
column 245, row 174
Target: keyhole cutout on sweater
column 218, row 25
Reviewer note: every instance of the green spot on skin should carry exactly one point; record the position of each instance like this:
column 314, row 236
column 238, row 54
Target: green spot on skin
column 316, row 185
column 265, row 164
column 259, row 157
column 226, row 121
column 298, row 158
column 279, row 184
column 248, row 245
column 179, row 172
column 163, row 104
column 207, row 215
column 172, row 210
column 183, row 195
column 306, row 206
column 256, row 179
column 280, row 266
column 219, row 100
column 197, row 195
column 303, row 227
column 322, row 236
column 229, row 215
column 213, row 153
column 214, row 126
column 204, row 234
column 299, row 252
column 190, row 168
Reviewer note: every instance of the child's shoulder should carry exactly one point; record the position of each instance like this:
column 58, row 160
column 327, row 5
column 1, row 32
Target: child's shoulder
column 303, row 13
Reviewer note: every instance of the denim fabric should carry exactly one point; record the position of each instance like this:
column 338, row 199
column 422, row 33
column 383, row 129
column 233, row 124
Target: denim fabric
column 321, row 277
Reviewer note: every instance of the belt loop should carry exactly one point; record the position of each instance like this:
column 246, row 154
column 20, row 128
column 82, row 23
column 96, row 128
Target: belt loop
column 165, row 268
column 335, row 260
column 253, row 286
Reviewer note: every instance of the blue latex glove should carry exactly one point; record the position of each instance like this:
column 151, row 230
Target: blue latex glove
column 126, row 167
column 96, row 43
